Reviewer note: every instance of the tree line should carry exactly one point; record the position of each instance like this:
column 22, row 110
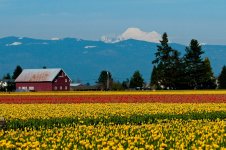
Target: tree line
column 174, row 72
column 171, row 71
column 106, row 82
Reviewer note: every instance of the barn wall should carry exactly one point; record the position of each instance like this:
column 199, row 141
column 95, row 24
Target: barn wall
column 38, row 86
column 61, row 82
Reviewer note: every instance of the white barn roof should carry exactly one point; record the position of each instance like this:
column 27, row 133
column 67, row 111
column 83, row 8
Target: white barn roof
column 38, row 75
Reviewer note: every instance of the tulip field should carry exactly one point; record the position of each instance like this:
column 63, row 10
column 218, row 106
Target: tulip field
column 114, row 120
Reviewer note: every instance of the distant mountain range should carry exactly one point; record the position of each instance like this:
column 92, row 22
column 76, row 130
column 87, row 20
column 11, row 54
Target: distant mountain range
column 84, row 60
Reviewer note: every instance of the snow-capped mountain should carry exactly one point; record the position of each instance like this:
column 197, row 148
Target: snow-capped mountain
column 14, row 44
column 55, row 38
column 135, row 34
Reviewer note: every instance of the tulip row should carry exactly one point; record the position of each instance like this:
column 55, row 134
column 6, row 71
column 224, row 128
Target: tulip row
column 173, row 134
column 109, row 120
column 99, row 110
column 113, row 98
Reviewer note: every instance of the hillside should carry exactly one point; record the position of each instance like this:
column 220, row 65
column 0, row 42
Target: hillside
column 83, row 59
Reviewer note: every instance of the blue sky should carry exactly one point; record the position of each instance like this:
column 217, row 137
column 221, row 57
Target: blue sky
column 183, row 20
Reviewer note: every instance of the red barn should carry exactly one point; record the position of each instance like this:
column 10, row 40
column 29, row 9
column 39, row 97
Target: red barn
column 43, row 80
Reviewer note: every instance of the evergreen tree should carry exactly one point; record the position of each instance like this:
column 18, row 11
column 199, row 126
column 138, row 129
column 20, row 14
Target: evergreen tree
column 17, row 72
column 208, row 79
column 190, row 72
column 154, row 79
column 105, row 79
column 166, row 62
column 177, row 71
column 222, row 79
column 136, row 80
column 194, row 70
column 125, row 84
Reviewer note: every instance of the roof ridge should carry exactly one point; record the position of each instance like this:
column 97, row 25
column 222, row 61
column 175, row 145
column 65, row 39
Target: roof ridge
column 43, row 69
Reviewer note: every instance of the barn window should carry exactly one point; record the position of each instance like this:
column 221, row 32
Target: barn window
column 65, row 87
column 31, row 88
column 55, row 88
column 60, row 87
column 65, row 80
column 24, row 87
column 56, row 80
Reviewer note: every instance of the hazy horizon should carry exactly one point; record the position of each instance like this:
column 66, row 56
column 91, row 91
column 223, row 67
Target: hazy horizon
column 90, row 20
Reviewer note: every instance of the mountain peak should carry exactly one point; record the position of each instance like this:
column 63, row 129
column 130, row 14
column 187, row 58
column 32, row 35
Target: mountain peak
column 55, row 39
column 136, row 34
